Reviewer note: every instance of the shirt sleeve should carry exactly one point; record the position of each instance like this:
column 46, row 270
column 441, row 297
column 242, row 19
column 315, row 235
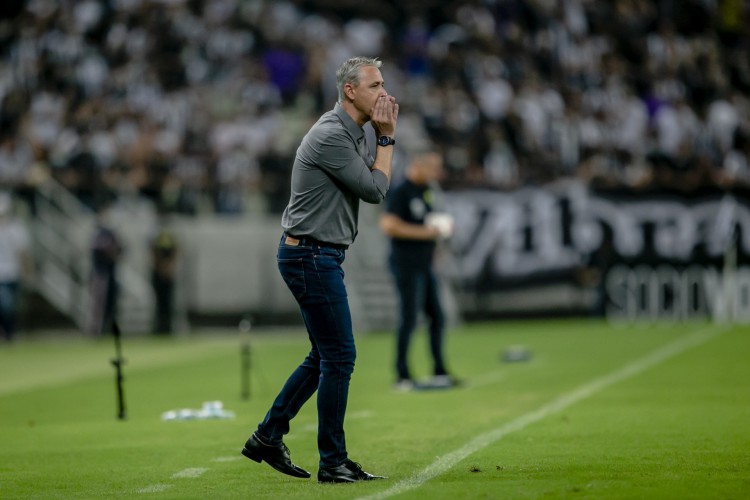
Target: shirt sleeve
column 340, row 159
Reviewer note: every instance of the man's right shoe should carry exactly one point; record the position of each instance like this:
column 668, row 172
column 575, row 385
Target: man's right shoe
column 404, row 385
column 348, row 472
column 442, row 382
column 277, row 456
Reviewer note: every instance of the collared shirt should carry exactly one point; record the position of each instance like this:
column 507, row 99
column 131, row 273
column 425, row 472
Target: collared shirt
column 332, row 171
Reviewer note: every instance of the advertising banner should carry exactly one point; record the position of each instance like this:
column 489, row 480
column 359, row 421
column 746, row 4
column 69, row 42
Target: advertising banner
column 649, row 254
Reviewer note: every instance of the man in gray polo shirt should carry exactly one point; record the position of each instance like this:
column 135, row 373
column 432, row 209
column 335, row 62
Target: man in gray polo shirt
column 332, row 171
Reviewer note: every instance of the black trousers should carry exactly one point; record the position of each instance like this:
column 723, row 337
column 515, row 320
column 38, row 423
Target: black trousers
column 418, row 292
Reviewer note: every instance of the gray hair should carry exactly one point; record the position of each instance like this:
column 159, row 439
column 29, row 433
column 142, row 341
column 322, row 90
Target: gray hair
column 348, row 72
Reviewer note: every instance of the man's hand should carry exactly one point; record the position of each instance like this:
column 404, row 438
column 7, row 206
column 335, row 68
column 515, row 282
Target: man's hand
column 384, row 116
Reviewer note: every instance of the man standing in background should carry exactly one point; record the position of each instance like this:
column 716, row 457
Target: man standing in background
column 164, row 253
column 414, row 228
column 106, row 251
column 15, row 261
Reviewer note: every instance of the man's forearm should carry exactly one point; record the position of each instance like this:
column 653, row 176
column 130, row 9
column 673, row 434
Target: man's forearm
column 384, row 160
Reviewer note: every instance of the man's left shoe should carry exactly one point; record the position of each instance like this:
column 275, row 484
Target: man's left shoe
column 348, row 472
column 277, row 456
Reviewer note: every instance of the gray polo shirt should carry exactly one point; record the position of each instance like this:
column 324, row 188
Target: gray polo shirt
column 332, row 171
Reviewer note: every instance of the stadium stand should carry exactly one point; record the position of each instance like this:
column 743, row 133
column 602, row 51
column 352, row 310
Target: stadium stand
column 196, row 105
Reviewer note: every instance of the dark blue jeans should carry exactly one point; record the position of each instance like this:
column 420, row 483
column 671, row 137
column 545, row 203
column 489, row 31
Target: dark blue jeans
column 316, row 279
column 418, row 291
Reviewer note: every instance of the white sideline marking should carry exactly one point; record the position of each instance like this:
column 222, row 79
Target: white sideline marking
column 361, row 414
column 155, row 488
column 189, row 473
column 442, row 464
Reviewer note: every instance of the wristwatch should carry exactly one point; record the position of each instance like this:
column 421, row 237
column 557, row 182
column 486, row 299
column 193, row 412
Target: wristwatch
column 384, row 140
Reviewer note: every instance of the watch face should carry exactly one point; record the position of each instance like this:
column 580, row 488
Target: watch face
column 385, row 140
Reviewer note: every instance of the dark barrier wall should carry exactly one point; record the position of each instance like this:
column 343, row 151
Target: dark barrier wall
column 655, row 254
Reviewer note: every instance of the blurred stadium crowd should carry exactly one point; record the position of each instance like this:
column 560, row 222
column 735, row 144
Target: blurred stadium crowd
column 199, row 105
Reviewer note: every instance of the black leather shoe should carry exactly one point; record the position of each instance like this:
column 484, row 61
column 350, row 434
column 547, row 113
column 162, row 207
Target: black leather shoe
column 348, row 472
column 277, row 456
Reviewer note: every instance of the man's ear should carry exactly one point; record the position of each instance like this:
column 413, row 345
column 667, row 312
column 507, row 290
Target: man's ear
column 349, row 91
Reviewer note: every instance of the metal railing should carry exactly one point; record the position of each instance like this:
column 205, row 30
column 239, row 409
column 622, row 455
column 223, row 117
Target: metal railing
column 62, row 230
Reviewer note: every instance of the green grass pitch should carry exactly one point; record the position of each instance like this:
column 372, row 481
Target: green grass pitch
column 599, row 411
